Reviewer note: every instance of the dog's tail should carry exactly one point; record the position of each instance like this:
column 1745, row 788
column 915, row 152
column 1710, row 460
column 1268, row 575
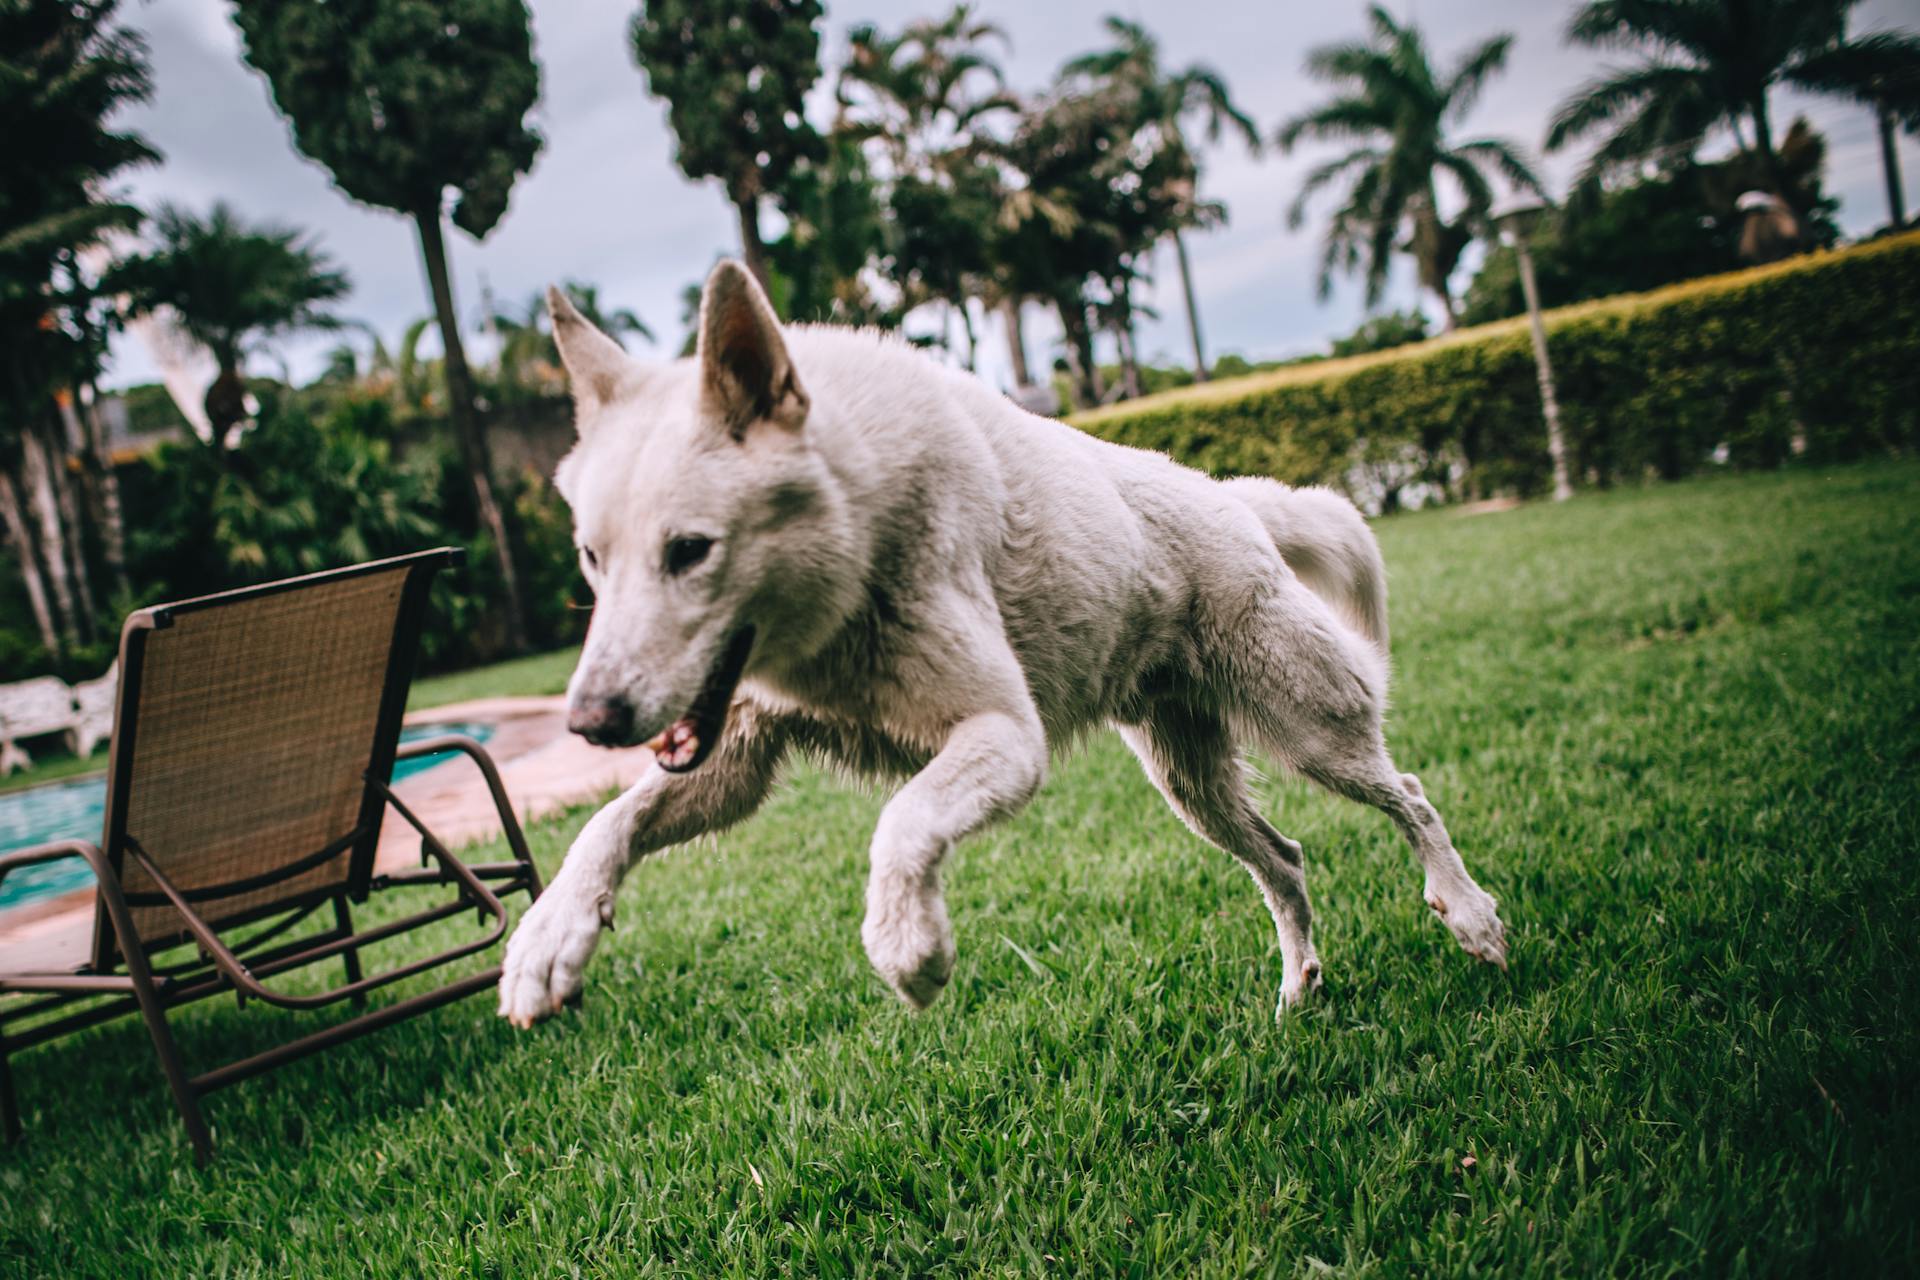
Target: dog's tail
column 1325, row 540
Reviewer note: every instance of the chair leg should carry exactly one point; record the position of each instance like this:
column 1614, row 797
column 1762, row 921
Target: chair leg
column 185, row 1097
column 343, row 915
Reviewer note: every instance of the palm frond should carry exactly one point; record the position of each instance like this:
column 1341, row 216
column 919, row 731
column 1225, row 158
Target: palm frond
column 1881, row 70
column 1463, row 88
column 1343, row 118
column 1623, row 93
column 1506, row 159
column 1322, row 175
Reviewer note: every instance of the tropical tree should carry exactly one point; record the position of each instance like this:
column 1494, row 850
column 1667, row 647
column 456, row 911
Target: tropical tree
column 231, row 286
column 65, row 69
column 1080, row 211
column 528, row 361
column 1164, row 102
column 405, row 101
column 1709, row 65
column 925, row 93
column 923, row 98
column 834, row 238
column 1398, row 107
column 734, row 75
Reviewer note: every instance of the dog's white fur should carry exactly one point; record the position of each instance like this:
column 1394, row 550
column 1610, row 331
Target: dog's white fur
column 944, row 588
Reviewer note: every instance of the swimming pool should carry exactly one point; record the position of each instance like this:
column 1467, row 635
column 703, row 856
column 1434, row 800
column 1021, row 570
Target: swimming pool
column 77, row 810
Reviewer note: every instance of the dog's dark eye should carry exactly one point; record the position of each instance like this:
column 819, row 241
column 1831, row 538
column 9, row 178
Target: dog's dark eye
column 593, row 561
column 684, row 553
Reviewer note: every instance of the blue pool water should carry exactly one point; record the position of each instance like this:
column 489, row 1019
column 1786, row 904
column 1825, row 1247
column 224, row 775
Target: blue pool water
column 76, row 810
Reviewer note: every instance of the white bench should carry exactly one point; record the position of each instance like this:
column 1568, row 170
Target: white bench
column 83, row 715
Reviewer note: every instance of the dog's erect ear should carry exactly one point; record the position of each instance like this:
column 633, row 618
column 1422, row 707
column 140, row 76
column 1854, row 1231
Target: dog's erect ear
column 746, row 375
column 595, row 363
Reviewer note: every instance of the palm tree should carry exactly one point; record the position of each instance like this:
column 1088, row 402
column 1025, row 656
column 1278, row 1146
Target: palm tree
column 399, row 372
column 66, row 70
column 1712, row 64
column 1398, row 107
column 924, row 91
column 527, row 356
column 923, row 96
column 232, row 286
column 1165, row 100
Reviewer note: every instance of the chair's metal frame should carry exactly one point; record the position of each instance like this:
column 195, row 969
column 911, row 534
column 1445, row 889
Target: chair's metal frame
column 121, row 977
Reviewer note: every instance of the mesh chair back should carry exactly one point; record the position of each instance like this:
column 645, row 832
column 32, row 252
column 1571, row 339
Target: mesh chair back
column 246, row 726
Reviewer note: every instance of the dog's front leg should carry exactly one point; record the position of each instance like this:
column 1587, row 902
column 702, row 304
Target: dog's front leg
column 990, row 765
column 557, row 935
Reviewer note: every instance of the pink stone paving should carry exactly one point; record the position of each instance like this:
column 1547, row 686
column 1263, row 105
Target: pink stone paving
column 546, row 770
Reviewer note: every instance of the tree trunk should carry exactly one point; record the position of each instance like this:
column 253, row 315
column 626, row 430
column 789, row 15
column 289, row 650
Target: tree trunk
column 1123, row 331
column 1890, row 165
column 66, row 494
column 1087, row 391
column 1430, row 255
column 966, row 327
column 1769, row 158
column 13, row 516
column 1017, row 341
column 226, row 405
column 104, row 482
column 472, row 441
column 45, row 510
column 1543, row 368
column 1193, row 307
column 752, row 249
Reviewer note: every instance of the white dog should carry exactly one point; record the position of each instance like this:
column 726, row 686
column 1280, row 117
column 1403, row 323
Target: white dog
column 818, row 539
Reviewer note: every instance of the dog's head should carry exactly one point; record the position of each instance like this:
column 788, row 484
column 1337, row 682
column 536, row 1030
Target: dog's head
column 715, row 539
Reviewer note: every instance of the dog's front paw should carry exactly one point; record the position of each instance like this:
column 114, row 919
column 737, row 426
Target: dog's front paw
column 1474, row 918
column 910, row 944
column 1297, row 988
column 546, row 955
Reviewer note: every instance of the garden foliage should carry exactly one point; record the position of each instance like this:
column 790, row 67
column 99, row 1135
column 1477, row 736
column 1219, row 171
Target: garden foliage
column 318, row 484
column 1810, row 358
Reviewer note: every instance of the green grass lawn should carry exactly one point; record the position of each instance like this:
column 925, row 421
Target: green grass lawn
column 540, row 673
column 1675, row 730
column 54, row 768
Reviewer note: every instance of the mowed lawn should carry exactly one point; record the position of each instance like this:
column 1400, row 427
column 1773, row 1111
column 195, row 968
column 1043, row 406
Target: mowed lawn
column 1675, row 730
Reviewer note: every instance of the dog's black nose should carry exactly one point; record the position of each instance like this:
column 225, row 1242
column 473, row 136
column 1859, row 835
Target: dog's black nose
column 602, row 721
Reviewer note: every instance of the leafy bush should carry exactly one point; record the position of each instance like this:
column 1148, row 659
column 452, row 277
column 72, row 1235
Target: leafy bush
column 1382, row 333
column 305, row 492
column 1812, row 357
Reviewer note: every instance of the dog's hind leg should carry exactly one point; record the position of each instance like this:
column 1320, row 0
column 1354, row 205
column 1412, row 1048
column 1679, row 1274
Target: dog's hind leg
column 1190, row 756
column 1312, row 692
column 558, row 933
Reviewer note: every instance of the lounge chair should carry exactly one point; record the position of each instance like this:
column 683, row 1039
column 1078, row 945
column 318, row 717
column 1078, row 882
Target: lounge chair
column 254, row 737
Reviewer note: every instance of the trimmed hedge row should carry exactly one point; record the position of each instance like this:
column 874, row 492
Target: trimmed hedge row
column 1817, row 357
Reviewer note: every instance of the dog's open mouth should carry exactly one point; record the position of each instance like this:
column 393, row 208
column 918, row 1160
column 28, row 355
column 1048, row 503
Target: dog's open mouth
column 682, row 745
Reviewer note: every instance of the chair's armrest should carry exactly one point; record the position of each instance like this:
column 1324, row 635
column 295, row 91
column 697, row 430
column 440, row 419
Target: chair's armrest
column 53, row 852
column 516, row 839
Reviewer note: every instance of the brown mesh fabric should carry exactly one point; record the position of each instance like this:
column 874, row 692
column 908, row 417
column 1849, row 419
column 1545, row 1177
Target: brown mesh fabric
column 254, row 723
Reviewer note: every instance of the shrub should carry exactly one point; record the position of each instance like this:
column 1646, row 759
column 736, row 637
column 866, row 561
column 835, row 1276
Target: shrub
column 1813, row 357
column 308, row 491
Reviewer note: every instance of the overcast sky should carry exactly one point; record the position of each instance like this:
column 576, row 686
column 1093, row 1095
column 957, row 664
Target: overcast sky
column 605, row 203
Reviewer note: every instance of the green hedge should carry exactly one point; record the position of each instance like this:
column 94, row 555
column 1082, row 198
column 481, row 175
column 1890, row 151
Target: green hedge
column 1816, row 357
